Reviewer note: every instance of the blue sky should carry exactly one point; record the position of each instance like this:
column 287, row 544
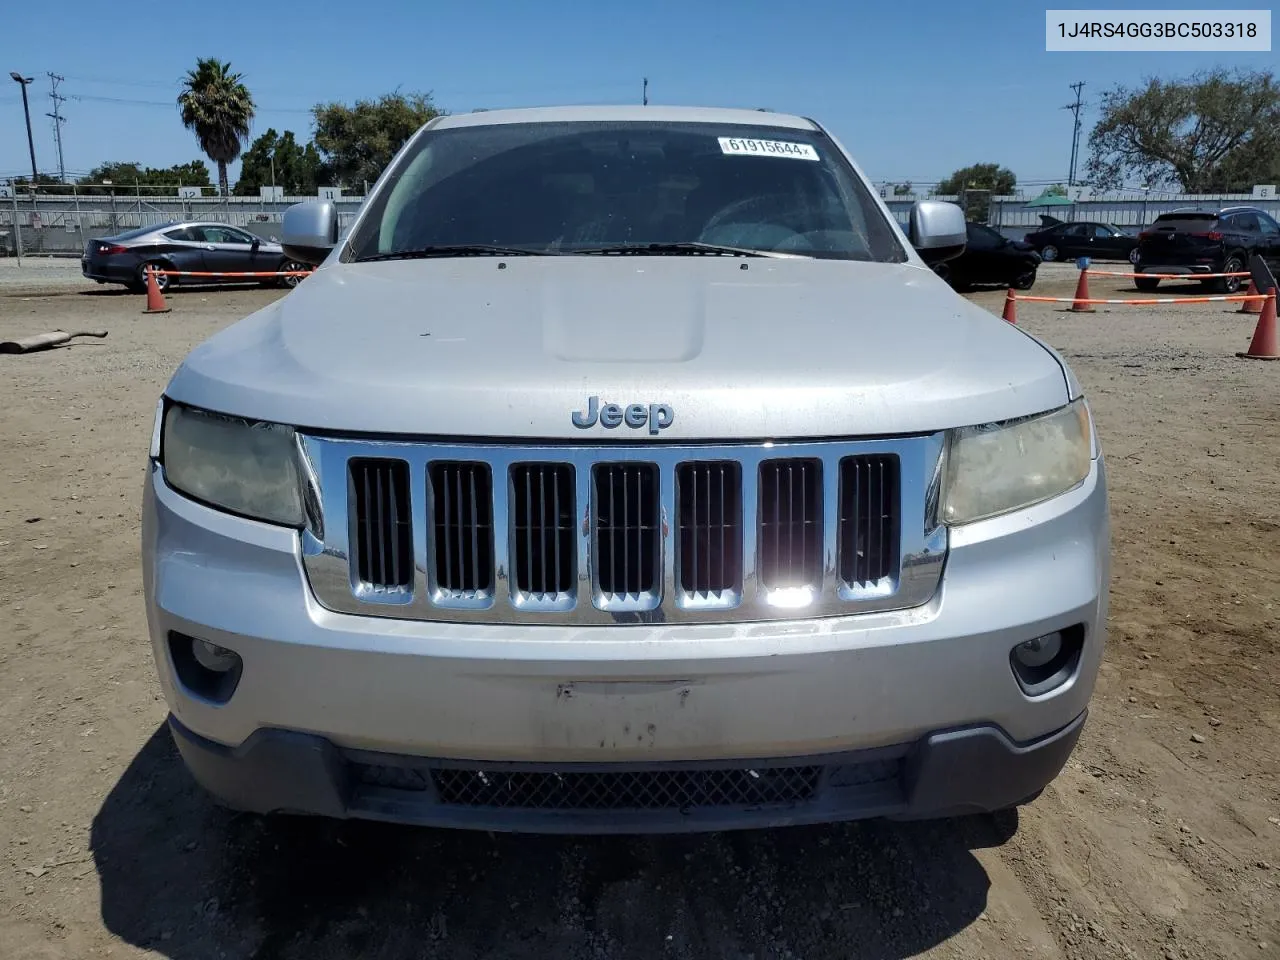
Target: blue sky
column 914, row 88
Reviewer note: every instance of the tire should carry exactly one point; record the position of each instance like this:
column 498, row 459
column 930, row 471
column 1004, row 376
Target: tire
column 291, row 265
column 1134, row 256
column 1024, row 281
column 163, row 282
column 1048, row 253
column 1233, row 264
column 1145, row 285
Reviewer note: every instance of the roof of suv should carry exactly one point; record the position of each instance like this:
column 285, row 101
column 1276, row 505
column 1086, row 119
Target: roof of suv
column 739, row 117
column 1210, row 212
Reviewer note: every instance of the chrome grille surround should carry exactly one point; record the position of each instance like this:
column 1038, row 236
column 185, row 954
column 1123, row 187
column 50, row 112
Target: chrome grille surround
column 921, row 549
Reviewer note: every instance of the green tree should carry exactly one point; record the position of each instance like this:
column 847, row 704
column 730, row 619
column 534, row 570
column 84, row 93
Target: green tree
column 45, row 184
column 975, row 186
column 980, row 176
column 903, row 189
column 358, row 142
column 218, row 108
column 1057, row 190
column 127, row 176
column 1214, row 131
column 297, row 168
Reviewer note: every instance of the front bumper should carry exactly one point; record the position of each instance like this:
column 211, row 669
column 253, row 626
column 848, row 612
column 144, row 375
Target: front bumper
column 1182, row 269
column 928, row 690
column 947, row 773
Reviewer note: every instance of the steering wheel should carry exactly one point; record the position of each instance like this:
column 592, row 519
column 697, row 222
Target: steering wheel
column 738, row 206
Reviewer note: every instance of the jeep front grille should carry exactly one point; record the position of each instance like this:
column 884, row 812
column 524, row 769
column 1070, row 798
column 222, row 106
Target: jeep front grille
column 868, row 540
column 790, row 524
column 709, row 504
column 382, row 536
column 612, row 534
column 461, row 545
column 544, row 549
column 627, row 545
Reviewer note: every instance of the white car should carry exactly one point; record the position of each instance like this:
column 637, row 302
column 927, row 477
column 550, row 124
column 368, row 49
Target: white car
column 625, row 469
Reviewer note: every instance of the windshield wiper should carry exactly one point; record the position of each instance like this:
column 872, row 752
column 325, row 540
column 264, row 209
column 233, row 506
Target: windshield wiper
column 682, row 248
column 454, row 250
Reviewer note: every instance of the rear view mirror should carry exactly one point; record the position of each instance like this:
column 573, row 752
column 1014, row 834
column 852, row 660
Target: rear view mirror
column 310, row 231
column 937, row 230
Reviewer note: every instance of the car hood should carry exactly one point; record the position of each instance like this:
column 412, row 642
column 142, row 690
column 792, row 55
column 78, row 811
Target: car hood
column 735, row 348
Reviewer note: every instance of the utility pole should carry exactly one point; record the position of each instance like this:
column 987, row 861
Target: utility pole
column 58, row 121
column 26, row 109
column 645, row 98
column 1075, row 131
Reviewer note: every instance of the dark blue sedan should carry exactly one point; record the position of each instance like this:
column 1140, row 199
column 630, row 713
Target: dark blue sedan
column 189, row 246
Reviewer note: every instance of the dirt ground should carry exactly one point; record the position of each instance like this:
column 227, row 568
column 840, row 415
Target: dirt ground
column 1160, row 840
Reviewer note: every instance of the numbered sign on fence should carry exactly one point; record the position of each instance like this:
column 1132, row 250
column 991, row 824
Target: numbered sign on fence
column 330, row 193
column 189, row 193
column 1261, row 191
column 6, row 191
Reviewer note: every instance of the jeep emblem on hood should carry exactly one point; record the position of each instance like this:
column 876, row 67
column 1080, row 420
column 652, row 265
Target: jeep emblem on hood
column 657, row 415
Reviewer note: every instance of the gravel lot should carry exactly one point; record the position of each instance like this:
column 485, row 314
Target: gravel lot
column 1160, row 840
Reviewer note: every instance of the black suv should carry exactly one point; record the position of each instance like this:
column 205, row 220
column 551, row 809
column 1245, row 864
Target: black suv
column 1207, row 241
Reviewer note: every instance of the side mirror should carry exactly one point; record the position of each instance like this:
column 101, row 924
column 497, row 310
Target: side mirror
column 310, row 231
column 937, row 230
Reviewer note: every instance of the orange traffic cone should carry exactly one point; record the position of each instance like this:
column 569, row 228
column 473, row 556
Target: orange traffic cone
column 155, row 299
column 1251, row 306
column 1266, row 341
column 1010, row 308
column 1078, row 305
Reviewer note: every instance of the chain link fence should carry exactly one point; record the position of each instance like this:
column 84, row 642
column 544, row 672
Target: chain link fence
column 61, row 224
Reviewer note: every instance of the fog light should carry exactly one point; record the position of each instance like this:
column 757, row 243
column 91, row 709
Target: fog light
column 205, row 669
column 1046, row 662
column 213, row 657
column 1038, row 652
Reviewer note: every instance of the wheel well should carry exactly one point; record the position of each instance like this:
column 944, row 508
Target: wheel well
column 162, row 260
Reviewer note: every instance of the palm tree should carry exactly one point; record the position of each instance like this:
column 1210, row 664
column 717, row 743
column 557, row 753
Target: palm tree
column 218, row 107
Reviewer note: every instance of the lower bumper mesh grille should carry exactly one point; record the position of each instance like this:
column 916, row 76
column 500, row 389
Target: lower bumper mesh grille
column 682, row 790
column 627, row 790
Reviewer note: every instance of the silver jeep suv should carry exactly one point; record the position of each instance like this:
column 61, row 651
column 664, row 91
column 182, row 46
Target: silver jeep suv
column 624, row 469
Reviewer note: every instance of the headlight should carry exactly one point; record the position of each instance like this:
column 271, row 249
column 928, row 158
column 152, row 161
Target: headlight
column 997, row 468
column 239, row 465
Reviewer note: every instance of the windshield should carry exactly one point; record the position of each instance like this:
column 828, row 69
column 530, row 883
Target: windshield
column 594, row 187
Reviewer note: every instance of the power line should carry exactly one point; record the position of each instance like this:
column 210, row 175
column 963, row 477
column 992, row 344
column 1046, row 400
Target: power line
column 1075, row 131
column 128, row 101
column 58, row 120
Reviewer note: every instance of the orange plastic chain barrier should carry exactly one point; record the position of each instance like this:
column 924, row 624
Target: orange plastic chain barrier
column 1168, row 276
column 1235, row 298
column 261, row 273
